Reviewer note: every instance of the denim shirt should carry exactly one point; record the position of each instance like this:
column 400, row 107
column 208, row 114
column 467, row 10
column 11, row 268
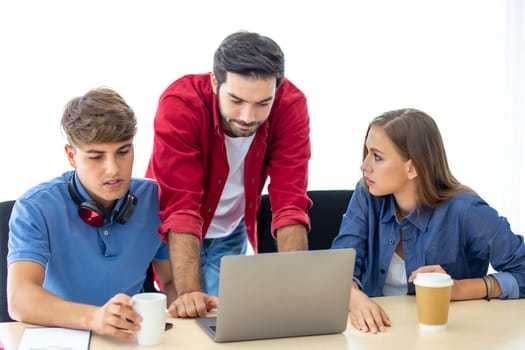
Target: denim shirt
column 463, row 235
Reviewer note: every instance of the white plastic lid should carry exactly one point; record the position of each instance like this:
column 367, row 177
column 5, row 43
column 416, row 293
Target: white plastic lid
column 433, row 279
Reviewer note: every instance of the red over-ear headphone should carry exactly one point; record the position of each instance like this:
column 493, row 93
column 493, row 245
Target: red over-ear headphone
column 94, row 214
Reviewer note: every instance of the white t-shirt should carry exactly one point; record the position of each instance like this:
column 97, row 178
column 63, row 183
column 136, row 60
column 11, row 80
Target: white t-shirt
column 396, row 278
column 230, row 210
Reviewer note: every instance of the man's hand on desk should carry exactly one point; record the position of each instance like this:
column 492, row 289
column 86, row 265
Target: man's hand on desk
column 365, row 314
column 193, row 304
column 116, row 318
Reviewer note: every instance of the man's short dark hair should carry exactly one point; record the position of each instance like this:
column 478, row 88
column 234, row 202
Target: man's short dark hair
column 249, row 54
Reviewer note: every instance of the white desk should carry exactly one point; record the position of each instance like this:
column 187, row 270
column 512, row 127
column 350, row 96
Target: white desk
column 472, row 325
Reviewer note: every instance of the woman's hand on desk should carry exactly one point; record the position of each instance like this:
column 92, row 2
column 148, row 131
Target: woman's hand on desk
column 464, row 289
column 116, row 318
column 423, row 269
column 365, row 314
column 193, row 304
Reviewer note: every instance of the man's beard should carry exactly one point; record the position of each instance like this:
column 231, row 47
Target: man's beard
column 235, row 132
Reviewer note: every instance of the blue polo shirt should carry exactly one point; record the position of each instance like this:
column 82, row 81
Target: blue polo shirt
column 83, row 263
column 463, row 235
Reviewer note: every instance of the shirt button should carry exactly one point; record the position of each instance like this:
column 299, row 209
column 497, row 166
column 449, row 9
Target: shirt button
column 253, row 180
column 219, row 181
column 391, row 242
column 382, row 271
column 209, row 210
column 250, row 205
column 106, row 233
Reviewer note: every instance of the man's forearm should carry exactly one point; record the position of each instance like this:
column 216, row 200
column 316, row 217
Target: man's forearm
column 35, row 305
column 292, row 237
column 185, row 251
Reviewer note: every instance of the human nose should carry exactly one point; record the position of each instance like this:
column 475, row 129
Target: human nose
column 248, row 114
column 111, row 166
column 365, row 165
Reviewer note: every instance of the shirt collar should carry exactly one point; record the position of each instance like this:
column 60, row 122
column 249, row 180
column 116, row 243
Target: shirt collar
column 216, row 114
column 419, row 217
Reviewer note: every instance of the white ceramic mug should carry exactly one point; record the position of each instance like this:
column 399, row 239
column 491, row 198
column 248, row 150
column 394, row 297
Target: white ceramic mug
column 152, row 308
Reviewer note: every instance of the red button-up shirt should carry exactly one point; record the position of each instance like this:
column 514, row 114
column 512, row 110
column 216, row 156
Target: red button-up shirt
column 189, row 159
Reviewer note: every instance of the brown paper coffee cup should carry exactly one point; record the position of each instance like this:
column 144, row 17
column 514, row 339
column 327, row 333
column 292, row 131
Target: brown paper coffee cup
column 433, row 300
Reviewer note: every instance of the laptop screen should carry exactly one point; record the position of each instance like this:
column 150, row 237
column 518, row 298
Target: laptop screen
column 276, row 295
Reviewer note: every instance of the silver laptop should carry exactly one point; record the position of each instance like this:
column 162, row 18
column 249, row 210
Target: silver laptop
column 276, row 295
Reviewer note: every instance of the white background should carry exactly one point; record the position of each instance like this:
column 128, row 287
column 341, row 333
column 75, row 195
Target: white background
column 458, row 60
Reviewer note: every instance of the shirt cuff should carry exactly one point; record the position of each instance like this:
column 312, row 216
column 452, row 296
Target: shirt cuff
column 508, row 284
column 358, row 283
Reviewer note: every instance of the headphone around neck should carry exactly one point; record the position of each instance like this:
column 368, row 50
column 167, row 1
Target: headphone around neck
column 94, row 214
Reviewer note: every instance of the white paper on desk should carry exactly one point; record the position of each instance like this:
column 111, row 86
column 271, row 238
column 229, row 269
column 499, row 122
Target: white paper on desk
column 53, row 338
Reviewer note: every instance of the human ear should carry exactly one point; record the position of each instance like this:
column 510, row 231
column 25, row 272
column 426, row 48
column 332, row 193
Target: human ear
column 411, row 170
column 214, row 83
column 70, row 154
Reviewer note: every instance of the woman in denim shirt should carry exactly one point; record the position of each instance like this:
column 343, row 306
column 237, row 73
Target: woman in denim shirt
column 409, row 215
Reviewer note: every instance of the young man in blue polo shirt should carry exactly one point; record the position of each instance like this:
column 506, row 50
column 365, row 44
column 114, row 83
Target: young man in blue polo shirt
column 80, row 244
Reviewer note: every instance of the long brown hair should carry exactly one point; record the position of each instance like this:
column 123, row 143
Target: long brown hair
column 416, row 137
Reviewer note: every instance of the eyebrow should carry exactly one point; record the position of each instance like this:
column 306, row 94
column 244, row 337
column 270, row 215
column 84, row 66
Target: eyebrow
column 94, row 151
column 375, row 150
column 240, row 99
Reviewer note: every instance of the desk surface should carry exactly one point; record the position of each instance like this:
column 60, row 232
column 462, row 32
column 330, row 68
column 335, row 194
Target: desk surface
column 498, row 324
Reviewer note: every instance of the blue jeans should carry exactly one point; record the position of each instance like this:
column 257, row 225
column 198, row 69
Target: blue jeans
column 213, row 249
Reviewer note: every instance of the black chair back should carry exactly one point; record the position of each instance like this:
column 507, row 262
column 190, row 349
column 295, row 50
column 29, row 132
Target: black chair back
column 326, row 215
column 5, row 214
column 149, row 282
